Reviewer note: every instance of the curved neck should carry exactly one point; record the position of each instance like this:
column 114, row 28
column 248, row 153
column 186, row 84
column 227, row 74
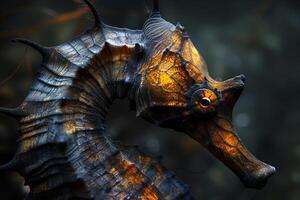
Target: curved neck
column 61, row 144
column 112, row 70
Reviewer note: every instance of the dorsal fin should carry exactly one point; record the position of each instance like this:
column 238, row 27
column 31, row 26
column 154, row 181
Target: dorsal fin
column 13, row 112
column 97, row 18
column 155, row 8
column 10, row 166
column 43, row 50
column 4, row 168
column 156, row 28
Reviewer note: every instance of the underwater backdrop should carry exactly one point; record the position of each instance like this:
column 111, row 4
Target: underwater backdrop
column 259, row 38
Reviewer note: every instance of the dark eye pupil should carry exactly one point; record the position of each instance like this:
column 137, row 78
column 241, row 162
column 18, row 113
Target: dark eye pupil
column 205, row 102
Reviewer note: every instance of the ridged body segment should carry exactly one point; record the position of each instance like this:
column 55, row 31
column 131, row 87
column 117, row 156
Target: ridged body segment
column 63, row 129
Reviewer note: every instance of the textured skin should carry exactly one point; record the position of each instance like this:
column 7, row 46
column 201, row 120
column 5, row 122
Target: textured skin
column 63, row 152
column 64, row 125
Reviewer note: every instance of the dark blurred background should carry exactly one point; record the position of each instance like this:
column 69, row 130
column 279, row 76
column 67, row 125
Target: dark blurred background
column 259, row 38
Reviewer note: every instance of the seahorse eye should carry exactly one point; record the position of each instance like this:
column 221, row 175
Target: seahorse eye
column 205, row 102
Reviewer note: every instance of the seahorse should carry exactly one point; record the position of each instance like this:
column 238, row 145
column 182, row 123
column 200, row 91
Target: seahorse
column 63, row 152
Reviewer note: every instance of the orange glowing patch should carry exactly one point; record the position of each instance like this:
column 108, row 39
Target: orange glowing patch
column 167, row 83
column 132, row 176
column 148, row 194
column 230, row 139
column 194, row 72
column 69, row 128
column 176, row 39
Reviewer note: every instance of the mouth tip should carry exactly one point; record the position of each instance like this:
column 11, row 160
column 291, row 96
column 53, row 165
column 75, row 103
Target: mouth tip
column 243, row 78
column 259, row 178
column 265, row 173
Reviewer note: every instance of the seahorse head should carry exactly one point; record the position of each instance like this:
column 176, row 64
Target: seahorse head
column 174, row 90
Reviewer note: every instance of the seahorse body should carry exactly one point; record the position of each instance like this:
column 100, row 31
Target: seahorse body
column 63, row 152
